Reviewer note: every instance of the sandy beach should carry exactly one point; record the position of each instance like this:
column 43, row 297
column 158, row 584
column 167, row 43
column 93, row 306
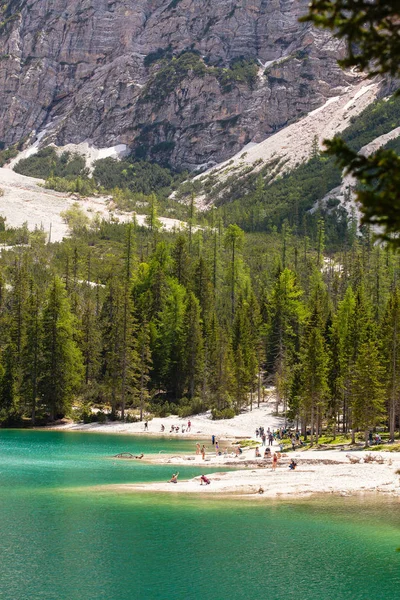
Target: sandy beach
column 202, row 426
column 319, row 471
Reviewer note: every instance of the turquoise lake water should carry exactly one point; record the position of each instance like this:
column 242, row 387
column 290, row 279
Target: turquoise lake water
column 60, row 539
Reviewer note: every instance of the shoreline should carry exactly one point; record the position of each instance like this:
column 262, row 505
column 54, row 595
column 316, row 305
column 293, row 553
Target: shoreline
column 318, row 472
column 242, row 426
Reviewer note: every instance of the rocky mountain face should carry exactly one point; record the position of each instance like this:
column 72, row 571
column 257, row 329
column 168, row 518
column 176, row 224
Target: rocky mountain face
column 187, row 82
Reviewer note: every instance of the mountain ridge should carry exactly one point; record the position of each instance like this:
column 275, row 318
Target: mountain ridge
column 161, row 76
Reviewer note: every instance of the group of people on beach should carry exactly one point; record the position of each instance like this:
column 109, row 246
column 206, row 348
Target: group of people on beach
column 267, row 452
column 177, row 428
column 203, row 479
column 218, row 451
column 278, row 435
column 265, row 436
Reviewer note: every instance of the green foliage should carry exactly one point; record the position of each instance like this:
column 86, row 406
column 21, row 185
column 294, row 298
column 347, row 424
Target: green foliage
column 379, row 174
column 48, row 164
column 171, row 74
column 378, row 118
column 76, row 219
column 143, row 321
column 174, row 70
column 191, row 407
column 371, row 31
column 8, row 154
column 259, row 202
column 241, row 70
column 82, row 186
column 138, row 177
column 225, row 413
column 367, row 389
column 157, row 55
column 62, row 366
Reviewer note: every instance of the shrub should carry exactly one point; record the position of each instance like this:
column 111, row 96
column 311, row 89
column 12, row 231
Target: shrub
column 84, row 415
column 101, row 417
column 171, row 75
column 47, row 163
column 164, row 410
column 225, row 413
column 194, row 407
column 157, row 55
column 241, row 70
column 137, row 176
column 6, row 155
column 129, row 418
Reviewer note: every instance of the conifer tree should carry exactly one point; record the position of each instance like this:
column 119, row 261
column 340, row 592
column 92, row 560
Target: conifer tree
column 62, row 365
column 391, row 353
column 193, row 345
column 367, row 398
column 202, row 288
column 245, row 351
column 111, row 328
column 221, row 369
column 18, row 314
column 314, row 366
column 8, row 395
column 32, row 353
column 144, row 364
column 191, row 219
column 180, row 260
column 233, row 240
column 128, row 349
column 169, row 351
column 342, row 329
column 362, row 330
column 152, row 221
column 285, row 315
column 91, row 336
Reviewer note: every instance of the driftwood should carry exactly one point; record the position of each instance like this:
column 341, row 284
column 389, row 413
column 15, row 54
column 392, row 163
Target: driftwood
column 127, row 455
column 353, row 459
column 366, row 458
column 374, row 458
column 124, row 455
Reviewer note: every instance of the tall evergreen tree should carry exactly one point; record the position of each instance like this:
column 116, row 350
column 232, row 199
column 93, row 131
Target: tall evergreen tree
column 62, row 365
column 314, row 366
column 193, row 345
column 144, row 364
column 32, row 354
column 367, row 391
column 391, row 353
column 233, row 240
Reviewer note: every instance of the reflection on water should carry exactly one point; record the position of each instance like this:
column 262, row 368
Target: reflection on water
column 61, row 542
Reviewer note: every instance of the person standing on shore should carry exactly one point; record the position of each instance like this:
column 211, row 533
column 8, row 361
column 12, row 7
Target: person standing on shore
column 203, row 452
column 146, row 426
column 216, row 448
column 189, row 426
column 197, row 448
column 213, row 439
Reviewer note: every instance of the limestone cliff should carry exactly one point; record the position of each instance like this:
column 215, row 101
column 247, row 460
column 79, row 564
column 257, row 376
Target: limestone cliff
column 184, row 81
